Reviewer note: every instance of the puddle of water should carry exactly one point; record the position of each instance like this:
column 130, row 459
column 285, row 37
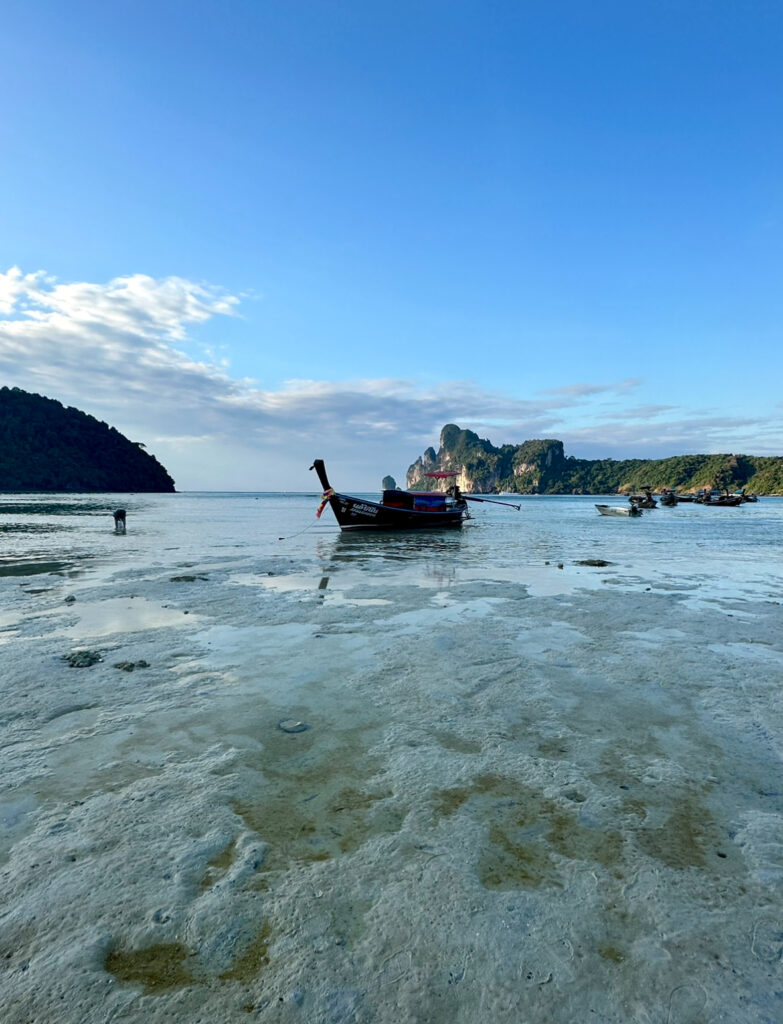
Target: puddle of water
column 125, row 615
column 8, row 619
column 31, row 568
column 304, row 583
column 337, row 598
column 9, row 622
column 545, row 580
column 540, row 581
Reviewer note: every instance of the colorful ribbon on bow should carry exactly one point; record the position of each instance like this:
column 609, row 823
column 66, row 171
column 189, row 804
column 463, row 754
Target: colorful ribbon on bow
column 324, row 502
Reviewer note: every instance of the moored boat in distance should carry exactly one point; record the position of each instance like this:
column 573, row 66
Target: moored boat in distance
column 718, row 499
column 631, row 511
column 399, row 510
column 644, row 500
column 668, row 498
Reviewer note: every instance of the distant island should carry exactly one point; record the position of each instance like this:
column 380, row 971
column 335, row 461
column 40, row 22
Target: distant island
column 542, row 467
column 45, row 446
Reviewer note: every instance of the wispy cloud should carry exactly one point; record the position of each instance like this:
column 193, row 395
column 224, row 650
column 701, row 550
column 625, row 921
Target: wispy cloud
column 570, row 391
column 117, row 350
column 116, row 345
column 137, row 304
column 676, row 434
column 638, row 413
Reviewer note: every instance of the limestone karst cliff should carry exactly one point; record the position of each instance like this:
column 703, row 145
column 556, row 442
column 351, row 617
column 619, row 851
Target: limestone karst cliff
column 542, row 467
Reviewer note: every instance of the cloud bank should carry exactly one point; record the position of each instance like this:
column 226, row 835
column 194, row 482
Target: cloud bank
column 119, row 351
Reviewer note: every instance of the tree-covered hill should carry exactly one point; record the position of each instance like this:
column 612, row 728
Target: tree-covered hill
column 45, row 446
column 542, row 467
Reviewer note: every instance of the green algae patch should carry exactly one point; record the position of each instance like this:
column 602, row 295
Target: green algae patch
column 250, row 964
column 555, row 748
column 319, row 829
column 292, row 836
column 156, row 968
column 574, row 841
column 450, row 741
column 527, row 833
column 450, row 800
column 505, row 864
column 218, row 865
column 680, row 842
column 351, row 799
column 356, row 820
column 612, row 954
column 632, row 807
column 315, row 800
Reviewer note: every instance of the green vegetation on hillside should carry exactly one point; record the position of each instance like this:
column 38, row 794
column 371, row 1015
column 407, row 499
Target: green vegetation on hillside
column 541, row 467
column 45, row 446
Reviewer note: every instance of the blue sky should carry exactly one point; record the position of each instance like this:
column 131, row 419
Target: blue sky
column 253, row 233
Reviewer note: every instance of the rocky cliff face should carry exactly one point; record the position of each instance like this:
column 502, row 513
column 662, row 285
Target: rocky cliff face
column 542, row 467
column 425, row 463
column 444, row 460
column 536, row 465
column 448, row 458
column 483, row 468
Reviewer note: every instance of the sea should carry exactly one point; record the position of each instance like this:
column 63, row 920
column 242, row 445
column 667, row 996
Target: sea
column 737, row 549
column 256, row 768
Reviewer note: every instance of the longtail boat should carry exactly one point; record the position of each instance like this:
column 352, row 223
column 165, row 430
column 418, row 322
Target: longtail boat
column 398, row 510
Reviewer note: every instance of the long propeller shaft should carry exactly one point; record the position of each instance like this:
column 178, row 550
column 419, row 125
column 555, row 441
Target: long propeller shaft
column 490, row 501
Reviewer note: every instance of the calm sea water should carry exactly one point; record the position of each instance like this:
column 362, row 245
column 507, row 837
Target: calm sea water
column 728, row 549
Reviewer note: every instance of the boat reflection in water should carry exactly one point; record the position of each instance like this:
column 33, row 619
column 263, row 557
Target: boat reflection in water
column 428, row 556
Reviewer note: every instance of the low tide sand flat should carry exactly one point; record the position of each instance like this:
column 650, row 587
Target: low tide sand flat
column 390, row 779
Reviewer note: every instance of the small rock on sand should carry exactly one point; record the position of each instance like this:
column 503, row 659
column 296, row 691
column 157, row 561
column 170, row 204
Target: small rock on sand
column 291, row 725
column 82, row 659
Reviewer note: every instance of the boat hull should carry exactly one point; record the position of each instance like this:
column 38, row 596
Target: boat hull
column 399, row 510
column 354, row 513
column 616, row 510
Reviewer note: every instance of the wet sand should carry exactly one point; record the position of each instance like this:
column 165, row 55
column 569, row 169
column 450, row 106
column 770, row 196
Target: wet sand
column 554, row 801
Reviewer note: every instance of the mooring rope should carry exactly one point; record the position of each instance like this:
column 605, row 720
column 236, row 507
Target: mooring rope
column 324, row 501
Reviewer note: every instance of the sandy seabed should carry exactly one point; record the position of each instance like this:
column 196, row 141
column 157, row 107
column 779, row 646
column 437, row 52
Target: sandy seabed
column 455, row 802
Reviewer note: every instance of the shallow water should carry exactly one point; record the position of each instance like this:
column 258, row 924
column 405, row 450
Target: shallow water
column 523, row 788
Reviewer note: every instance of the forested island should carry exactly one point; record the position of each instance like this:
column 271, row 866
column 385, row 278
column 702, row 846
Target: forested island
column 542, row 467
column 45, row 446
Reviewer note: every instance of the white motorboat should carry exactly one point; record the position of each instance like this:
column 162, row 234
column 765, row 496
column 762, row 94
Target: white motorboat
column 617, row 510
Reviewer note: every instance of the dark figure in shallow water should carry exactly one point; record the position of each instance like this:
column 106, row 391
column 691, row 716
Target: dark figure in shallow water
column 119, row 520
